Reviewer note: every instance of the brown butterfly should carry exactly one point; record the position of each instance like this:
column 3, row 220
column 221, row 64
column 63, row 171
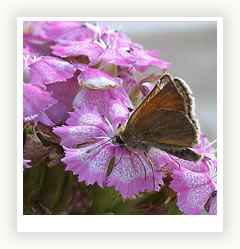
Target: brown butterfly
column 164, row 120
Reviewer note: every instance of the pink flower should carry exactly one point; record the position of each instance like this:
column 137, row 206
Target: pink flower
column 100, row 44
column 60, row 78
column 109, row 102
column 36, row 100
column 131, row 172
column 49, row 70
column 74, row 31
column 195, row 183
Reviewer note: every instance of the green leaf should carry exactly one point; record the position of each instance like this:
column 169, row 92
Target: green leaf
column 56, row 188
column 103, row 199
column 61, row 205
column 32, row 182
column 47, row 187
column 127, row 207
column 173, row 208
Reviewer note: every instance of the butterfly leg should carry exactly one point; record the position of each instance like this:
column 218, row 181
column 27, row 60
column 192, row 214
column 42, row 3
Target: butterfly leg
column 145, row 172
column 150, row 162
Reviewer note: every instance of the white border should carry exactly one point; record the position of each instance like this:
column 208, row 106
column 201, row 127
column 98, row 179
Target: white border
column 120, row 223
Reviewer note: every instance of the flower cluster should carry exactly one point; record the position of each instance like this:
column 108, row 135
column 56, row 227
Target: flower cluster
column 78, row 78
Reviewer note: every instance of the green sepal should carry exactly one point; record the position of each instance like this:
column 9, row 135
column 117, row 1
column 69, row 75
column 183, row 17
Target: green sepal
column 110, row 167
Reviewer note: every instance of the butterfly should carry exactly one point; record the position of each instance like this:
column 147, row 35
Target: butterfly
column 164, row 120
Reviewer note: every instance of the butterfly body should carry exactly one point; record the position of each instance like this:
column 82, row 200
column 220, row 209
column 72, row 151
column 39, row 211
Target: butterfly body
column 164, row 120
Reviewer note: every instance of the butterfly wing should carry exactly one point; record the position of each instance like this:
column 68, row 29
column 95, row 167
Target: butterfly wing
column 165, row 117
column 164, row 95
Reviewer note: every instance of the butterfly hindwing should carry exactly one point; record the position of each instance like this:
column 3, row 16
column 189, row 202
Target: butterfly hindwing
column 167, row 127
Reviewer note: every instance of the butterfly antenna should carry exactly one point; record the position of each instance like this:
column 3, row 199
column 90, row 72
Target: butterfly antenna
column 179, row 165
column 150, row 162
column 92, row 149
column 145, row 172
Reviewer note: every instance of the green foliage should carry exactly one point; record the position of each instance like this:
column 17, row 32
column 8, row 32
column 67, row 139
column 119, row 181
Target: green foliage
column 50, row 191
column 46, row 187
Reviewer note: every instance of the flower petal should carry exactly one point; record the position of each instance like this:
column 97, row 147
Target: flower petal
column 37, row 45
column 75, row 135
column 74, row 31
column 213, row 207
column 128, row 174
column 49, row 70
column 143, row 60
column 35, row 100
column 76, row 48
column 118, row 57
column 86, row 117
column 83, row 126
column 97, row 79
column 90, row 167
column 64, row 92
column 193, row 190
column 117, row 112
column 44, row 119
column 101, row 99
column 127, row 76
column 25, row 163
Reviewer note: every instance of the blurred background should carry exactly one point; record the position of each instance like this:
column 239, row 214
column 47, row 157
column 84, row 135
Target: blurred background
column 191, row 47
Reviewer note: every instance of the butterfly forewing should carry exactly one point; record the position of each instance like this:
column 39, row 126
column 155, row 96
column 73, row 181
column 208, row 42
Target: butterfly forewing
column 165, row 95
column 165, row 117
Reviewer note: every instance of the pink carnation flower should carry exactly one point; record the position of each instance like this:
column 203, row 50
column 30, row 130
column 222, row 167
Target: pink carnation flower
column 100, row 43
column 56, row 78
column 195, row 183
column 131, row 172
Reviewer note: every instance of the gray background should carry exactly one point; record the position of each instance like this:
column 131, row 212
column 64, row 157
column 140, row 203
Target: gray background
column 191, row 47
